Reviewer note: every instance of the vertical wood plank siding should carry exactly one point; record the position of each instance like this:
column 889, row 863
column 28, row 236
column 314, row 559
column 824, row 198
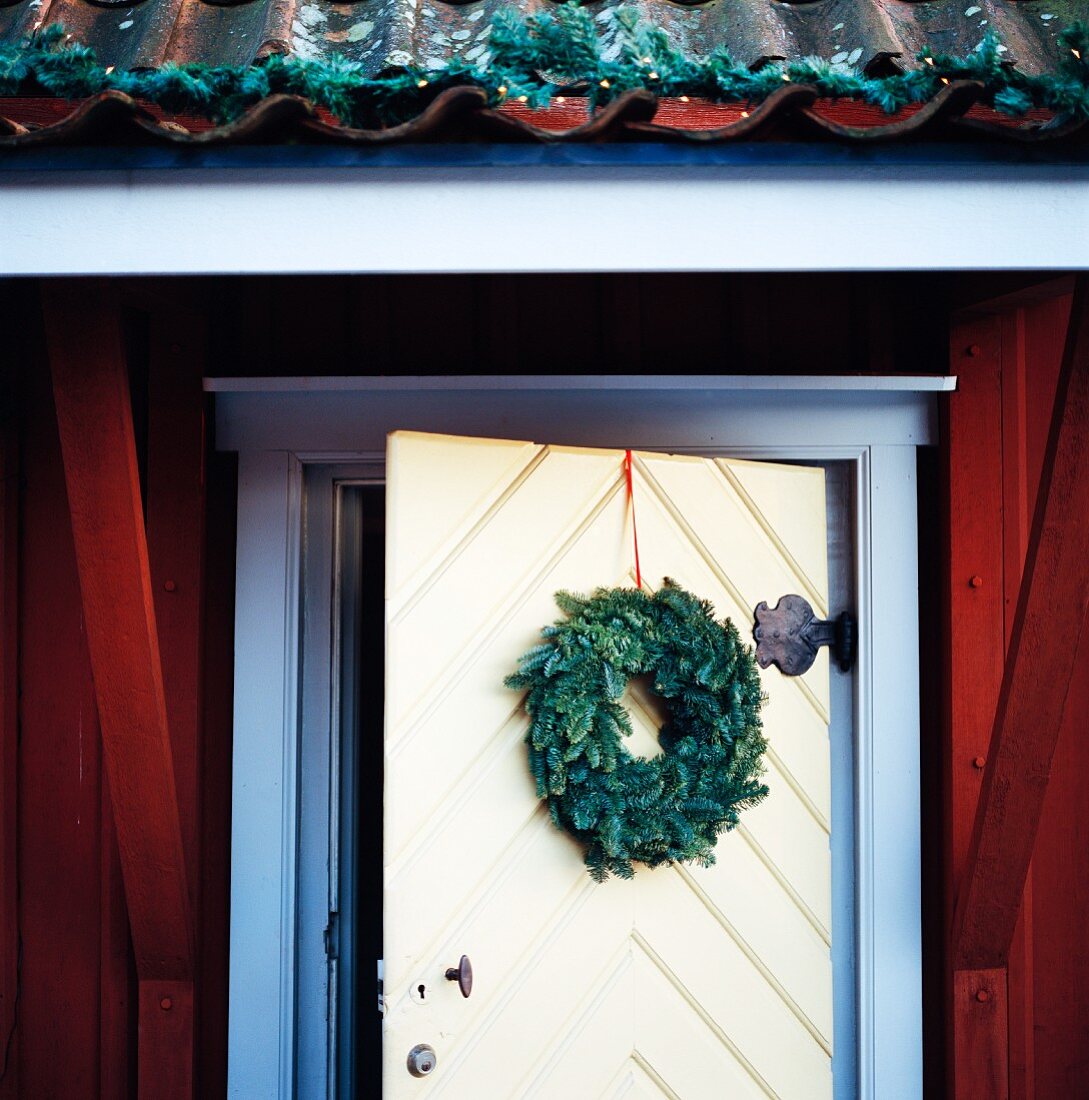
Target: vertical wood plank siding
column 57, row 1039
column 73, row 1031
column 1011, row 370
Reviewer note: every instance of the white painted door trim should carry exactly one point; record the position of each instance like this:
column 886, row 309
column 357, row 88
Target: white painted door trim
column 276, row 434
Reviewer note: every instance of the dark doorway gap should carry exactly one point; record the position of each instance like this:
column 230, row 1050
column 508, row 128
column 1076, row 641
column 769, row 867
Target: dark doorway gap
column 363, row 680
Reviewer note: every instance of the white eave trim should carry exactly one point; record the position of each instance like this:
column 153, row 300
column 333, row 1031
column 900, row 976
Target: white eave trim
column 850, row 217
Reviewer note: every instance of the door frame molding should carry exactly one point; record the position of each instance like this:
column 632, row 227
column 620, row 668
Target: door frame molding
column 874, row 423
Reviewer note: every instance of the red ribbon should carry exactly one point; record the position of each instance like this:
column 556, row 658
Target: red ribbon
column 634, row 532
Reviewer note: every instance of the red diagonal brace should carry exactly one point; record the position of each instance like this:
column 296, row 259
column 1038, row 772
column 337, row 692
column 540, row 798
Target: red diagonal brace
column 94, row 417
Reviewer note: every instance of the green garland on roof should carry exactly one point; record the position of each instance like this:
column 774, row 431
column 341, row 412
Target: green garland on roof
column 564, row 50
column 668, row 808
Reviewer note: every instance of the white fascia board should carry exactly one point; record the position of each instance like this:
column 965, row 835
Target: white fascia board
column 857, row 217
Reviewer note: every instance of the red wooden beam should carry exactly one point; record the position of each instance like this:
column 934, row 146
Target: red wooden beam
column 973, row 637
column 175, row 537
column 980, row 1001
column 1040, row 662
column 94, row 418
column 175, row 495
column 94, row 415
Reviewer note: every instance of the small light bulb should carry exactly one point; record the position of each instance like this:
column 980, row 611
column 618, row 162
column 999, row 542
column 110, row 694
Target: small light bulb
column 605, row 84
column 684, row 99
column 523, row 99
column 109, row 69
column 1077, row 54
column 646, row 60
column 561, row 99
column 945, row 80
column 744, row 114
column 929, row 60
column 652, row 76
column 421, row 83
column 786, row 78
column 502, row 89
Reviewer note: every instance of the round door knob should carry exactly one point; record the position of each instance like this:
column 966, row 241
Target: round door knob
column 463, row 975
column 421, row 1060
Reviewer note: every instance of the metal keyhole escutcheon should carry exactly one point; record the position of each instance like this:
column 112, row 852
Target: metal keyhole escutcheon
column 462, row 974
column 421, row 1060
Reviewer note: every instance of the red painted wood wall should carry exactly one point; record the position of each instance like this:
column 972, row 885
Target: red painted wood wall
column 1007, row 355
column 68, row 1008
column 67, row 982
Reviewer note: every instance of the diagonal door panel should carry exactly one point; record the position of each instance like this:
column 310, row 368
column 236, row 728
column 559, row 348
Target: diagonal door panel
column 686, row 982
column 458, row 721
column 789, row 519
column 463, row 495
column 799, row 720
column 682, row 1051
column 705, row 506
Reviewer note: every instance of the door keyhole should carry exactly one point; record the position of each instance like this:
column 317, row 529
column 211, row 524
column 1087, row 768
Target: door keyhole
column 422, row 990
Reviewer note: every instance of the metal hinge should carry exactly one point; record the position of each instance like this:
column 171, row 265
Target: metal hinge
column 381, row 996
column 789, row 634
column 332, row 936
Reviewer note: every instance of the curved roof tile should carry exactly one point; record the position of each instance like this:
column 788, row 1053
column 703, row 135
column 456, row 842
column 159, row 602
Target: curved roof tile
column 377, row 33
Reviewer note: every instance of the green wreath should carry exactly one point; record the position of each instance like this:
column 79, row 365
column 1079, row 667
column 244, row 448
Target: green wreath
column 669, row 808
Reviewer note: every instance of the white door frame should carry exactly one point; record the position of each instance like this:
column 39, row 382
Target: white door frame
column 278, row 426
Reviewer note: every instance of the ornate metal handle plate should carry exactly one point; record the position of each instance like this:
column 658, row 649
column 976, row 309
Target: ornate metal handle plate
column 789, row 634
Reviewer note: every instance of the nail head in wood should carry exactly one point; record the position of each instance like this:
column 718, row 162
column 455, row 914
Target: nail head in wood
column 166, row 1004
column 976, row 581
column 170, row 586
column 980, row 761
column 983, row 995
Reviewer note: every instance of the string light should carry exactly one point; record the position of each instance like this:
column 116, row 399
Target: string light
column 734, row 85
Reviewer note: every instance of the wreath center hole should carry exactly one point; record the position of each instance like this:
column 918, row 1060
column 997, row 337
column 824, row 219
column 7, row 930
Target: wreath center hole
column 648, row 713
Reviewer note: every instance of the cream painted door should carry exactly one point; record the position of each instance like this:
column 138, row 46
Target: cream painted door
column 685, row 982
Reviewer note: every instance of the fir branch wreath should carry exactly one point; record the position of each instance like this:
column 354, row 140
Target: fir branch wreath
column 664, row 809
